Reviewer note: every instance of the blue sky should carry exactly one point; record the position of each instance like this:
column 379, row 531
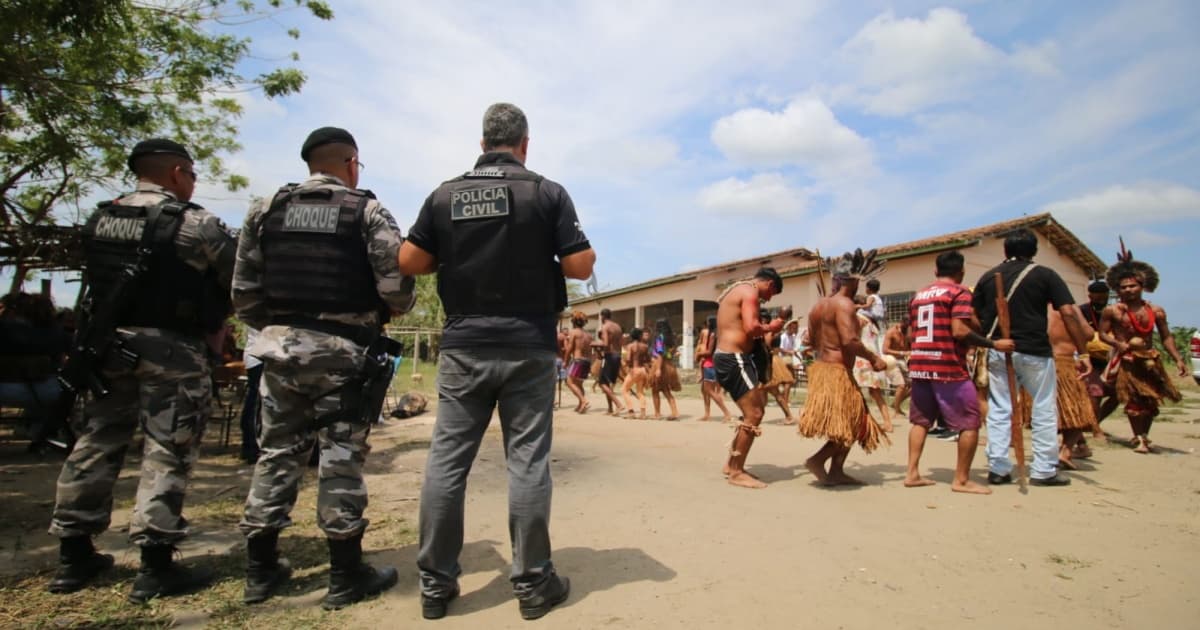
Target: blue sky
column 691, row 133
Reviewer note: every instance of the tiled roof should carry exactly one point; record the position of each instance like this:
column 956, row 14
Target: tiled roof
column 1060, row 237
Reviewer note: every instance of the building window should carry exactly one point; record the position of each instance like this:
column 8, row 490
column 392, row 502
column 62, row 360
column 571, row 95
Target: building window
column 896, row 305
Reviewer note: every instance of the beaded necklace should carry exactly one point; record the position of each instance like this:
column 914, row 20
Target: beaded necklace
column 1133, row 322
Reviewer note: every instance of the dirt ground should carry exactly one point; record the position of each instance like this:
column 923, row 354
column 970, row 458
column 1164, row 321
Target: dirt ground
column 652, row 537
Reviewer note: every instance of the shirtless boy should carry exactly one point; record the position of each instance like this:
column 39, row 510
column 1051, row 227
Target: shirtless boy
column 610, row 334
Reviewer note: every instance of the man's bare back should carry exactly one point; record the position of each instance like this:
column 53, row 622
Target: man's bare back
column 834, row 330
column 610, row 335
column 579, row 343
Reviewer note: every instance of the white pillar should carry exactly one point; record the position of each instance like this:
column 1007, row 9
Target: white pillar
column 687, row 358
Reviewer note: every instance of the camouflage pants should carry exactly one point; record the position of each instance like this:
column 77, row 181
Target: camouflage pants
column 302, row 405
column 168, row 395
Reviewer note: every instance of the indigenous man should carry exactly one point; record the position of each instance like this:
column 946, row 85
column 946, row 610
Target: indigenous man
column 1074, row 408
column 780, row 377
column 638, row 354
column 1141, row 379
column 835, row 408
column 1103, row 395
column 560, row 364
column 709, row 389
column 579, row 353
column 738, row 371
column 610, row 367
column 896, row 346
column 941, row 386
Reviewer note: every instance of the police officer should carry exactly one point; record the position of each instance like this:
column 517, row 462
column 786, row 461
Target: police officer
column 501, row 239
column 159, row 380
column 317, row 274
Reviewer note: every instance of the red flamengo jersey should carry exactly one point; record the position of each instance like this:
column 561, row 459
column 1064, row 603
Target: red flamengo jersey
column 935, row 355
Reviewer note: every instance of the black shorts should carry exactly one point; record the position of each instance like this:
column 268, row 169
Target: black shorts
column 735, row 372
column 610, row 369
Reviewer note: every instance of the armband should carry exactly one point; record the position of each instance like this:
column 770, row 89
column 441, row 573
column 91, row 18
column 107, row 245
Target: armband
column 977, row 339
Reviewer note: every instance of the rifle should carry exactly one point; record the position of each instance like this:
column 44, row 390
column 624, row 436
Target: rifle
column 1018, row 410
column 96, row 340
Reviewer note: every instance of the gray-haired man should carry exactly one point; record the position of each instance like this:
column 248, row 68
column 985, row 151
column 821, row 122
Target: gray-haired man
column 501, row 239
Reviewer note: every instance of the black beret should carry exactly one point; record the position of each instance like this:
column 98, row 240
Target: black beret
column 157, row 145
column 323, row 136
column 1098, row 286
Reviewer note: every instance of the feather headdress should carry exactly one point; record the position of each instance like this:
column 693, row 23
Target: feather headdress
column 1127, row 266
column 856, row 265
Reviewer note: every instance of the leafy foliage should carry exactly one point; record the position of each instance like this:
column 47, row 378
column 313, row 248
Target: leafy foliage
column 1183, row 341
column 428, row 312
column 82, row 81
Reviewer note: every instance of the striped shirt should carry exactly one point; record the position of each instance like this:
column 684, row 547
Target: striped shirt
column 936, row 356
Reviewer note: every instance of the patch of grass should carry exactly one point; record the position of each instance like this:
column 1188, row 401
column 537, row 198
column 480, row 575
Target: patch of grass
column 1068, row 561
column 25, row 603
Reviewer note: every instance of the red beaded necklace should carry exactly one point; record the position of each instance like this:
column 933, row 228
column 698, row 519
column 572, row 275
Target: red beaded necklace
column 1133, row 322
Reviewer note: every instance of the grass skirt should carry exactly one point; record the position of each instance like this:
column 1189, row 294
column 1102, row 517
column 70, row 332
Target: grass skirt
column 781, row 373
column 1074, row 406
column 664, row 376
column 1143, row 381
column 836, row 410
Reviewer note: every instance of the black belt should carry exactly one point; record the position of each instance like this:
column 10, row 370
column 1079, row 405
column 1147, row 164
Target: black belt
column 361, row 335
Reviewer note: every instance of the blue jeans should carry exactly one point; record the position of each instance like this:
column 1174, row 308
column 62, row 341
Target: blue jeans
column 1036, row 375
column 471, row 383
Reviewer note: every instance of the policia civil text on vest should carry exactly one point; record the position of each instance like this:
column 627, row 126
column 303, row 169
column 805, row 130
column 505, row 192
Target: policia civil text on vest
column 499, row 259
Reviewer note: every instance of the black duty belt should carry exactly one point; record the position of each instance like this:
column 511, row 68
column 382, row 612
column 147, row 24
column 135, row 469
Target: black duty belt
column 361, row 335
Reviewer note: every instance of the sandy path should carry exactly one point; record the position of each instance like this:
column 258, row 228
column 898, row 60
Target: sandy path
column 652, row 537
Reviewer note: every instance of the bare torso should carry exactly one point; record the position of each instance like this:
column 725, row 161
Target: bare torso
column 832, row 325
column 580, row 342
column 731, row 330
column 610, row 335
column 1119, row 320
column 639, row 355
column 895, row 342
column 1060, row 340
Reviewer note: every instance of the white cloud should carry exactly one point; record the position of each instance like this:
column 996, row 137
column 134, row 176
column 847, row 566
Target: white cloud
column 908, row 64
column 805, row 133
column 1118, row 206
column 763, row 195
column 1146, row 238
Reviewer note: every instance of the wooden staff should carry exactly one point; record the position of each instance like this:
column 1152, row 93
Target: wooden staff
column 820, row 274
column 1018, row 410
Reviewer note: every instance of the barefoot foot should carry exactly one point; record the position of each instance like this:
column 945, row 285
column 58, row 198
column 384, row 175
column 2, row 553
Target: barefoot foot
column 817, row 469
column 842, row 479
column 746, row 480
column 970, row 487
column 918, row 482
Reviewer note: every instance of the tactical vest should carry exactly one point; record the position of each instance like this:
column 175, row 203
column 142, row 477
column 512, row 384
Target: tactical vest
column 315, row 258
column 496, row 251
column 169, row 293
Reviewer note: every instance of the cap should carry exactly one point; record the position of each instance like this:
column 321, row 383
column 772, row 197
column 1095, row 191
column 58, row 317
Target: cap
column 157, row 145
column 1098, row 286
column 323, row 136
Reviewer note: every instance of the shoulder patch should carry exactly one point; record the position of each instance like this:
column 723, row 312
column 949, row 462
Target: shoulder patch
column 317, row 219
column 488, row 173
column 480, row 203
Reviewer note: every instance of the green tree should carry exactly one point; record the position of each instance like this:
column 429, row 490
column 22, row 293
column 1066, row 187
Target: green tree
column 1183, row 341
column 81, row 81
column 427, row 313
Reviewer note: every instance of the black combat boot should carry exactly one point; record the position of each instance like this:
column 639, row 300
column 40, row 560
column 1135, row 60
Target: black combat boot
column 78, row 564
column 547, row 595
column 265, row 570
column 351, row 579
column 160, row 576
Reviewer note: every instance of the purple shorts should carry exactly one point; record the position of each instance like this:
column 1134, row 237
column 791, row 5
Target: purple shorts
column 952, row 401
